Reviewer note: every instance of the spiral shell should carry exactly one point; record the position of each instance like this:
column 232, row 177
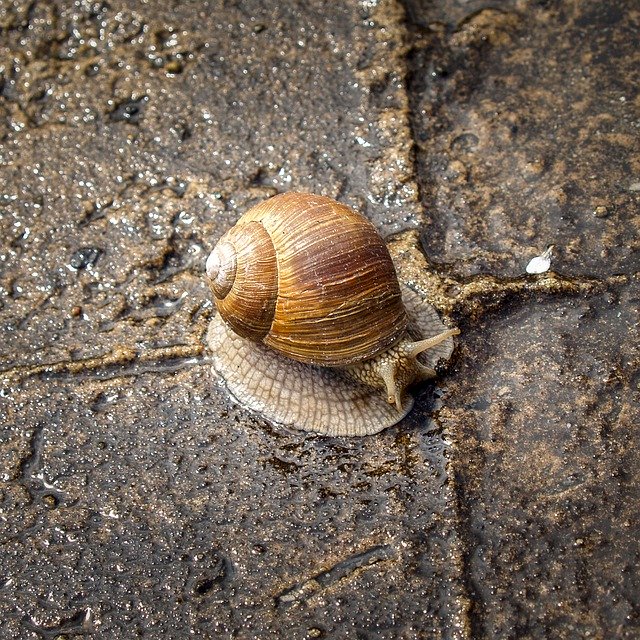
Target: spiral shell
column 311, row 279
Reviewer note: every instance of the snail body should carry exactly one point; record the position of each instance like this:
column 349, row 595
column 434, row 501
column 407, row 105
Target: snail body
column 312, row 321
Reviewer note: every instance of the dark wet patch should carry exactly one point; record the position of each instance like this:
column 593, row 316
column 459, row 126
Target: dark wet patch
column 130, row 111
column 84, row 257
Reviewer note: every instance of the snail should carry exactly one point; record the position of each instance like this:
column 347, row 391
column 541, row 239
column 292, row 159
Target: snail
column 313, row 329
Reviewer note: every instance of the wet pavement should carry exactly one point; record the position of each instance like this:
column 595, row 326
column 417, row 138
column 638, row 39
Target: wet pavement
column 136, row 500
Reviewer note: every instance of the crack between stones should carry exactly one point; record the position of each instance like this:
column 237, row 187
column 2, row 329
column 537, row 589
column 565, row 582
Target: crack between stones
column 340, row 571
column 473, row 296
column 127, row 361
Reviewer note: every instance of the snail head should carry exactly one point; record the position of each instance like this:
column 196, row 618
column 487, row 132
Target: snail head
column 397, row 368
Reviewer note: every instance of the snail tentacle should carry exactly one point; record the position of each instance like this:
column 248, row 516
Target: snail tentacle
column 397, row 368
column 416, row 348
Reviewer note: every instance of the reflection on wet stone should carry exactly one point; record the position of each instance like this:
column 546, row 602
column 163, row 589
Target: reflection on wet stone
column 137, row 500
column 84, row 257
column 130, row 111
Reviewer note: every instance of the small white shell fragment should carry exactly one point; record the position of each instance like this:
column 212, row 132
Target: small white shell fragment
column 541, row 263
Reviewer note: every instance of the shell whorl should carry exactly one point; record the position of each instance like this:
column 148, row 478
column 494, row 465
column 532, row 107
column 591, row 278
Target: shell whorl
column 246, row 292
column 221, row 269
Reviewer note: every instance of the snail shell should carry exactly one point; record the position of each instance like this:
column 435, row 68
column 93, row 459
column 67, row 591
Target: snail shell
column 312, row 318
column 310, row 278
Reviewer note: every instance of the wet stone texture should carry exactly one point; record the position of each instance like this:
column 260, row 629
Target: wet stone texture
column 527, row 125
column 136, row 500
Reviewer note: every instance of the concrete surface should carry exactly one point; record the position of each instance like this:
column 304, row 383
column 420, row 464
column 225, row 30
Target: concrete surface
column 137, row 501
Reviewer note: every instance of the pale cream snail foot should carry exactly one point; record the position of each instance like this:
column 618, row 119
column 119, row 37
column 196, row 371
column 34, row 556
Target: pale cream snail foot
column 302, row 396
column 319, row 399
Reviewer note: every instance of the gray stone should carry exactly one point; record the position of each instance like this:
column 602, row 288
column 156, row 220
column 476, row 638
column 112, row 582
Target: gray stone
column 136, row 500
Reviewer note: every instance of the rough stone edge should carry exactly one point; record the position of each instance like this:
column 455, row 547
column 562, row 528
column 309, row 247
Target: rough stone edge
column 391, row 181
